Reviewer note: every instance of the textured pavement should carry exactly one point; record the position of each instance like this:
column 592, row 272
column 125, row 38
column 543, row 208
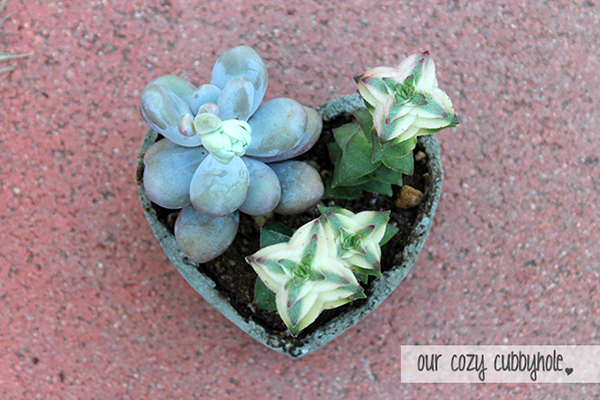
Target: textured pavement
column 90, row 307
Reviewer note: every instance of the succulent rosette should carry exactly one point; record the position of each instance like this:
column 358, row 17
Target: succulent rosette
column 306, row 275
column 357, row 237
column 406, row 102
column 319, row 267
column 223, row 151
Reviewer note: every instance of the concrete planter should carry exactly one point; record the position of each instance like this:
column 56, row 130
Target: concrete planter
column 379, row 289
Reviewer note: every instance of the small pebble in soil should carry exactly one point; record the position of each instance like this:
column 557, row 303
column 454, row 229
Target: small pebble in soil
column 420, row 156
column 409, row 197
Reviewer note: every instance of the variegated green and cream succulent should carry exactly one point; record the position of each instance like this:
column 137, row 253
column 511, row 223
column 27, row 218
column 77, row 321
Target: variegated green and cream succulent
column 406, row 102
column 402, row 104
column 320, row 266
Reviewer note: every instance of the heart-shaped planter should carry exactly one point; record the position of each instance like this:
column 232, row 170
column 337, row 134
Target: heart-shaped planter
column 398, row 255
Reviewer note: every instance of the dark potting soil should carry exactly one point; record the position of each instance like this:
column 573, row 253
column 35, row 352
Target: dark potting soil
column 236, row 279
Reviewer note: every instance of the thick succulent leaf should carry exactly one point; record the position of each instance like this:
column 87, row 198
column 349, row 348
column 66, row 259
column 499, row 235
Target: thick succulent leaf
column 204, row 94
column 390, row 129
column 186, row 125
column 162, row 110
column 439, row 107
column 355, row 161
column 431, row 123
column 178, row 85
column 392, row 149
column 394, row 109
column 296, row 292
column 404, row 165
column 168, row 175
column 361, row 272
column 160, row 145
column 419, row 99
column 387, row 175
column 371, row 85
column 421, row 67
column 367, row 263
column 377, row 187
column 338, row 279
column 278, row 126
column 301, row 314
column 343, row 295
column 269, row 237
column 278, row 227
column 242, row 61
column 236, row 100
column 411, row 132
column 340, row 302
column 219, row 189
column 335, row 182
column 390, row 231
column 303, row 237
column 204, row 238
column 301, row 186
column 264, row 190
column 341, row 192
column 264, row 298
column 335, row 151
column 314, row 126
column 343, row 133
column 268, row 266
column 335, row 154
column 364, row 278
column 365, row 120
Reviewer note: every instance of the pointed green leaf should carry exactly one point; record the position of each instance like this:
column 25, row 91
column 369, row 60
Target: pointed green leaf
column 364, row 278
column 278, row 227
column 403, row 164
column 343, row 133
column 270, row 237
column 390, row 231
column 335, row 151
column 364, row 273
column 377, row 187
column 365, row 120
column 418, row 99
column 401, row 146
column 394, row 128
column 355, row 161
column 341, row 192
column 264, row 298
column 435, row 105
column 387, row 175
column 295, row 292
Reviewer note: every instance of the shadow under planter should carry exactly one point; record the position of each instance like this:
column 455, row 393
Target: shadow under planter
column 398, row 255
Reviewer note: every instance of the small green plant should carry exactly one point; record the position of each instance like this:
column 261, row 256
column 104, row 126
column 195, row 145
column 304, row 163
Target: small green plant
column 375, row 151
column 319, row 267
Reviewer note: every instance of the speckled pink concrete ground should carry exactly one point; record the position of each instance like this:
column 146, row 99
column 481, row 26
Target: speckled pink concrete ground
column 90, row 307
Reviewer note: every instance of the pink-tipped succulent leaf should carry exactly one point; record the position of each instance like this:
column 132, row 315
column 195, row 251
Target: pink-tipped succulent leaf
column 406, row 102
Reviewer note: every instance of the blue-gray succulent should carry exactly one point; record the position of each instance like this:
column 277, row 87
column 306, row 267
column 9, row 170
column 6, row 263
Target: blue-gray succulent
column 225, row 152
